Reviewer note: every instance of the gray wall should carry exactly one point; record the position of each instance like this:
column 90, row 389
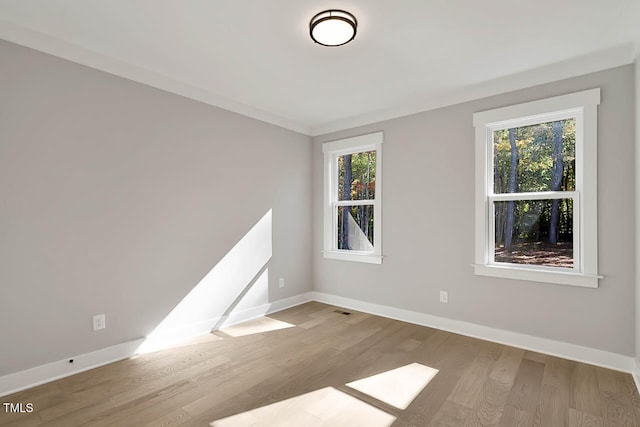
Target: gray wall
column 428, row 226
column 118, row 198
column 637, row 122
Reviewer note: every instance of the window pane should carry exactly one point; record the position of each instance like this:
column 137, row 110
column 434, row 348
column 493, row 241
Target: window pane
column 357, row 176
column 355, row 228
column 534, row 232
column 539, row 157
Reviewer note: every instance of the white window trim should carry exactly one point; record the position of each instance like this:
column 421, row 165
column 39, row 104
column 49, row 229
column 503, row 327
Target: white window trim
column 332, row 150
column 584, row 107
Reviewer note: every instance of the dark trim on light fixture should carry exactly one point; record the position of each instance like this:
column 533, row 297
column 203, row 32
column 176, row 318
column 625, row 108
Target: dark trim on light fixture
column 333, row 14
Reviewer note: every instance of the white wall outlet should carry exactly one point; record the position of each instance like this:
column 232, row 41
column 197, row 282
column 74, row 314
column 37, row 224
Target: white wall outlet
column 281, row 282
column 444, row 297
column 99, row 322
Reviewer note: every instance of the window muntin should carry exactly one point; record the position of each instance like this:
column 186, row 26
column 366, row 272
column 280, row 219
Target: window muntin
column 352, row 199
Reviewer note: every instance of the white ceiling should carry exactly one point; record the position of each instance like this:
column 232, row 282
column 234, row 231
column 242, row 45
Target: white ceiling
column 255, row 56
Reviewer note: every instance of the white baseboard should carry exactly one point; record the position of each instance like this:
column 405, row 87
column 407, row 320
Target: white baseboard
column 22, row 380
column 636, row 373
column 32, row 377
column 575, row 352
column 289, row 302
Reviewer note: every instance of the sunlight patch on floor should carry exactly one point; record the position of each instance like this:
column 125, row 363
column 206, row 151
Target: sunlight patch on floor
column 255, row 326
column 397, row 387
column 324, row 407
column 179, row 343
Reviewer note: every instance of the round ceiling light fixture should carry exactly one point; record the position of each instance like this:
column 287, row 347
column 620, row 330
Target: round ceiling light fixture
column 333, row 27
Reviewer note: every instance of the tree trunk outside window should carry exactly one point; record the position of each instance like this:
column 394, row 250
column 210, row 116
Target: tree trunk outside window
column 512, row 189
column 556, row 180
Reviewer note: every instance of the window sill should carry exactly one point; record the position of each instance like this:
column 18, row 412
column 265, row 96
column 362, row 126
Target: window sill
column 560, row 278
column 357, row 257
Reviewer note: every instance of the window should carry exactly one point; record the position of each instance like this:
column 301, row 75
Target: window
column 352, row 198
column 536, row 182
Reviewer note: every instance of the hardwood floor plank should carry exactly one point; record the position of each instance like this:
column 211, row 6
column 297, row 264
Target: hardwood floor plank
column 522, row 402
column 40, row 396
column 536, row 357
column 469, row 388
column 558, row 373
column 553, row 407
column 583, row 419
column 635, row 397
column 171, row 419
column 495, row 392
column 616, row 398
column 427, row 404
column 526, row 388
column 585, row 394
column 450, row 414
column 461, row 352
column 515, row 417
column 20, row 420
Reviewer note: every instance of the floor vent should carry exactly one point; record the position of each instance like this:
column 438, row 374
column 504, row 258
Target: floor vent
column 346, row 313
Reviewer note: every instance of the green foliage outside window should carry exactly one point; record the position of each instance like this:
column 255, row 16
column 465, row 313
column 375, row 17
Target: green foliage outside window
column 535, row 158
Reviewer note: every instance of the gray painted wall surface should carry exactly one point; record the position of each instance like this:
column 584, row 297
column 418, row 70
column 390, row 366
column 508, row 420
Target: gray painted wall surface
column 637, row 157
column 118, row 198
column 428, row 226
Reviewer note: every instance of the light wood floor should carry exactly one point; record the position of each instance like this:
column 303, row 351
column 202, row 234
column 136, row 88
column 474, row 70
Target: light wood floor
column 225, row 374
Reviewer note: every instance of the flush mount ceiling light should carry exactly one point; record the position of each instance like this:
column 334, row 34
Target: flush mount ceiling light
column 333, row 27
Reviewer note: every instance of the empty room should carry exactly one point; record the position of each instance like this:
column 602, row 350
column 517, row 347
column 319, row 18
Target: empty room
column 311, row 213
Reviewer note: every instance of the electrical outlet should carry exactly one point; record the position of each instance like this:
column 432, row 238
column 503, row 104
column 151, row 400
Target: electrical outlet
column 281, row 282
column 444, row 297
column 99, row 322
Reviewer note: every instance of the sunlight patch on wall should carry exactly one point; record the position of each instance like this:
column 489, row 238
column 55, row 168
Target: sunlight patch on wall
column 397, row 387
column 239, row 275
column 256, row 326
column 324, row 407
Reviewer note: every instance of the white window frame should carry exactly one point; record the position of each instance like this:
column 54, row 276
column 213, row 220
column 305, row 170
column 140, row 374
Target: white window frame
column 583, row 106
column 333, row 150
